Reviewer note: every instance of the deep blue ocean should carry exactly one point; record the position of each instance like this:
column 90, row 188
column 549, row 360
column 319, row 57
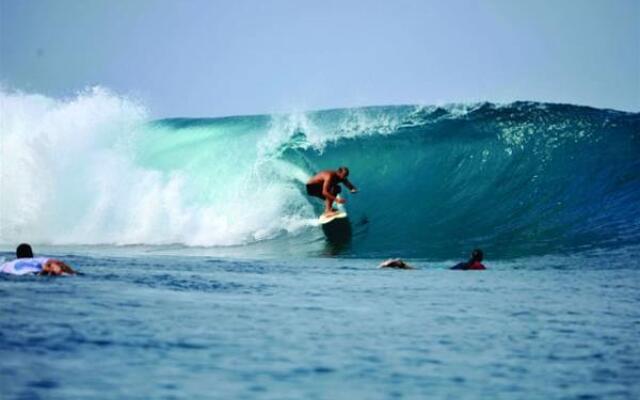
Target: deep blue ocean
column 167, row 327
column 206, row 275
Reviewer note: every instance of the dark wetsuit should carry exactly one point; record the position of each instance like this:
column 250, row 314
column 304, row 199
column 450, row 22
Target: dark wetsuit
column 315, row 189
column 470, row 265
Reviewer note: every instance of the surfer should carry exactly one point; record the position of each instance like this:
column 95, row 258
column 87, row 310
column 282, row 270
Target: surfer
column 25, row 263
column 474, row 263
column 326, row 186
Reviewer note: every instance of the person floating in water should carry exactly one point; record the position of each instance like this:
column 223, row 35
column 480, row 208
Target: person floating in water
column 25, row 263
column 326, row 186
column 474, row 263
column 396, row 263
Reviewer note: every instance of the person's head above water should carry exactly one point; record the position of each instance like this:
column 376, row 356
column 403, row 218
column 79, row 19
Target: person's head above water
column 477, row 255
column 343, row 172
column 24, row 251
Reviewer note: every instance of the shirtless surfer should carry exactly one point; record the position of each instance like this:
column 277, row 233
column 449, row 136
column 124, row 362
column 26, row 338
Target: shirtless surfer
column 326, row 186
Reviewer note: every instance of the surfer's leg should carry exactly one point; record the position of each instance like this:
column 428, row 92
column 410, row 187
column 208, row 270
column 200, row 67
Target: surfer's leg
column 328, row 207
column 336, row 190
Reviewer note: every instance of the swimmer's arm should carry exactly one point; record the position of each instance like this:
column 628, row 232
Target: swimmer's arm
column 460, row 266
column 67, row 269
column 56, row 267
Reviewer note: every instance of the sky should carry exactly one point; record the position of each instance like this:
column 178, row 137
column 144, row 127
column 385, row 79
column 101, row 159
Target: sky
column 216, row 58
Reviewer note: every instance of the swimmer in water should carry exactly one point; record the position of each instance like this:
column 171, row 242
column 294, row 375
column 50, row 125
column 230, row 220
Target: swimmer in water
column 26, row 264
column 396, row 263
column 474, row 263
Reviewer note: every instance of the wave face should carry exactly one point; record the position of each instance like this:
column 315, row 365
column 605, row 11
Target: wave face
column 518, row 180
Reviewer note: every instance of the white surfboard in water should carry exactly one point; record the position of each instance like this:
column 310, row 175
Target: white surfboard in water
column 324, row 219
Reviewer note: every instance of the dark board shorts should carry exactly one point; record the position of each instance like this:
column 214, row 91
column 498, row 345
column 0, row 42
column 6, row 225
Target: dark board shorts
column 315, row 189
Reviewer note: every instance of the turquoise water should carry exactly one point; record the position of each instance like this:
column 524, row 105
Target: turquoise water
column 206, row 274
column 518, row 180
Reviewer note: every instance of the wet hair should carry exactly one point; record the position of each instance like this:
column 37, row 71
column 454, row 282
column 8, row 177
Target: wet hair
column 24, row 251
column 477, row 255
column 345, row 170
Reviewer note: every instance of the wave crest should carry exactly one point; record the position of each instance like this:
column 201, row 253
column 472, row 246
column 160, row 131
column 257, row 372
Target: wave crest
column 516, row 179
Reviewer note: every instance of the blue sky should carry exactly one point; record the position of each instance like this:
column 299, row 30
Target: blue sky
column 215, row 58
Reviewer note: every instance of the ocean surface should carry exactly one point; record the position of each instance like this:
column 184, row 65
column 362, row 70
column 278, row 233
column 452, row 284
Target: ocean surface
column 206, row 275
column 167, row 327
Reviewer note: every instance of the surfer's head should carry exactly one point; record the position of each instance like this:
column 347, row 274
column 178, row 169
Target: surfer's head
column 24, row 251
column 343, row 172
column 477, row 255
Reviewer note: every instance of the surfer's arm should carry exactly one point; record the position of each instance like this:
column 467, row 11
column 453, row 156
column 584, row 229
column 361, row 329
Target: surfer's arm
column 326, row 192
column 349, row 185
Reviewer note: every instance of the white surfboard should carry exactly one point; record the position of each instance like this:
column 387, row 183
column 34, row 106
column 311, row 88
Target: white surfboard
column 326, row 219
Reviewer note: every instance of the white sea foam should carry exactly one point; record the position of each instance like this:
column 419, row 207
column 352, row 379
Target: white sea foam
column 69, row 174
